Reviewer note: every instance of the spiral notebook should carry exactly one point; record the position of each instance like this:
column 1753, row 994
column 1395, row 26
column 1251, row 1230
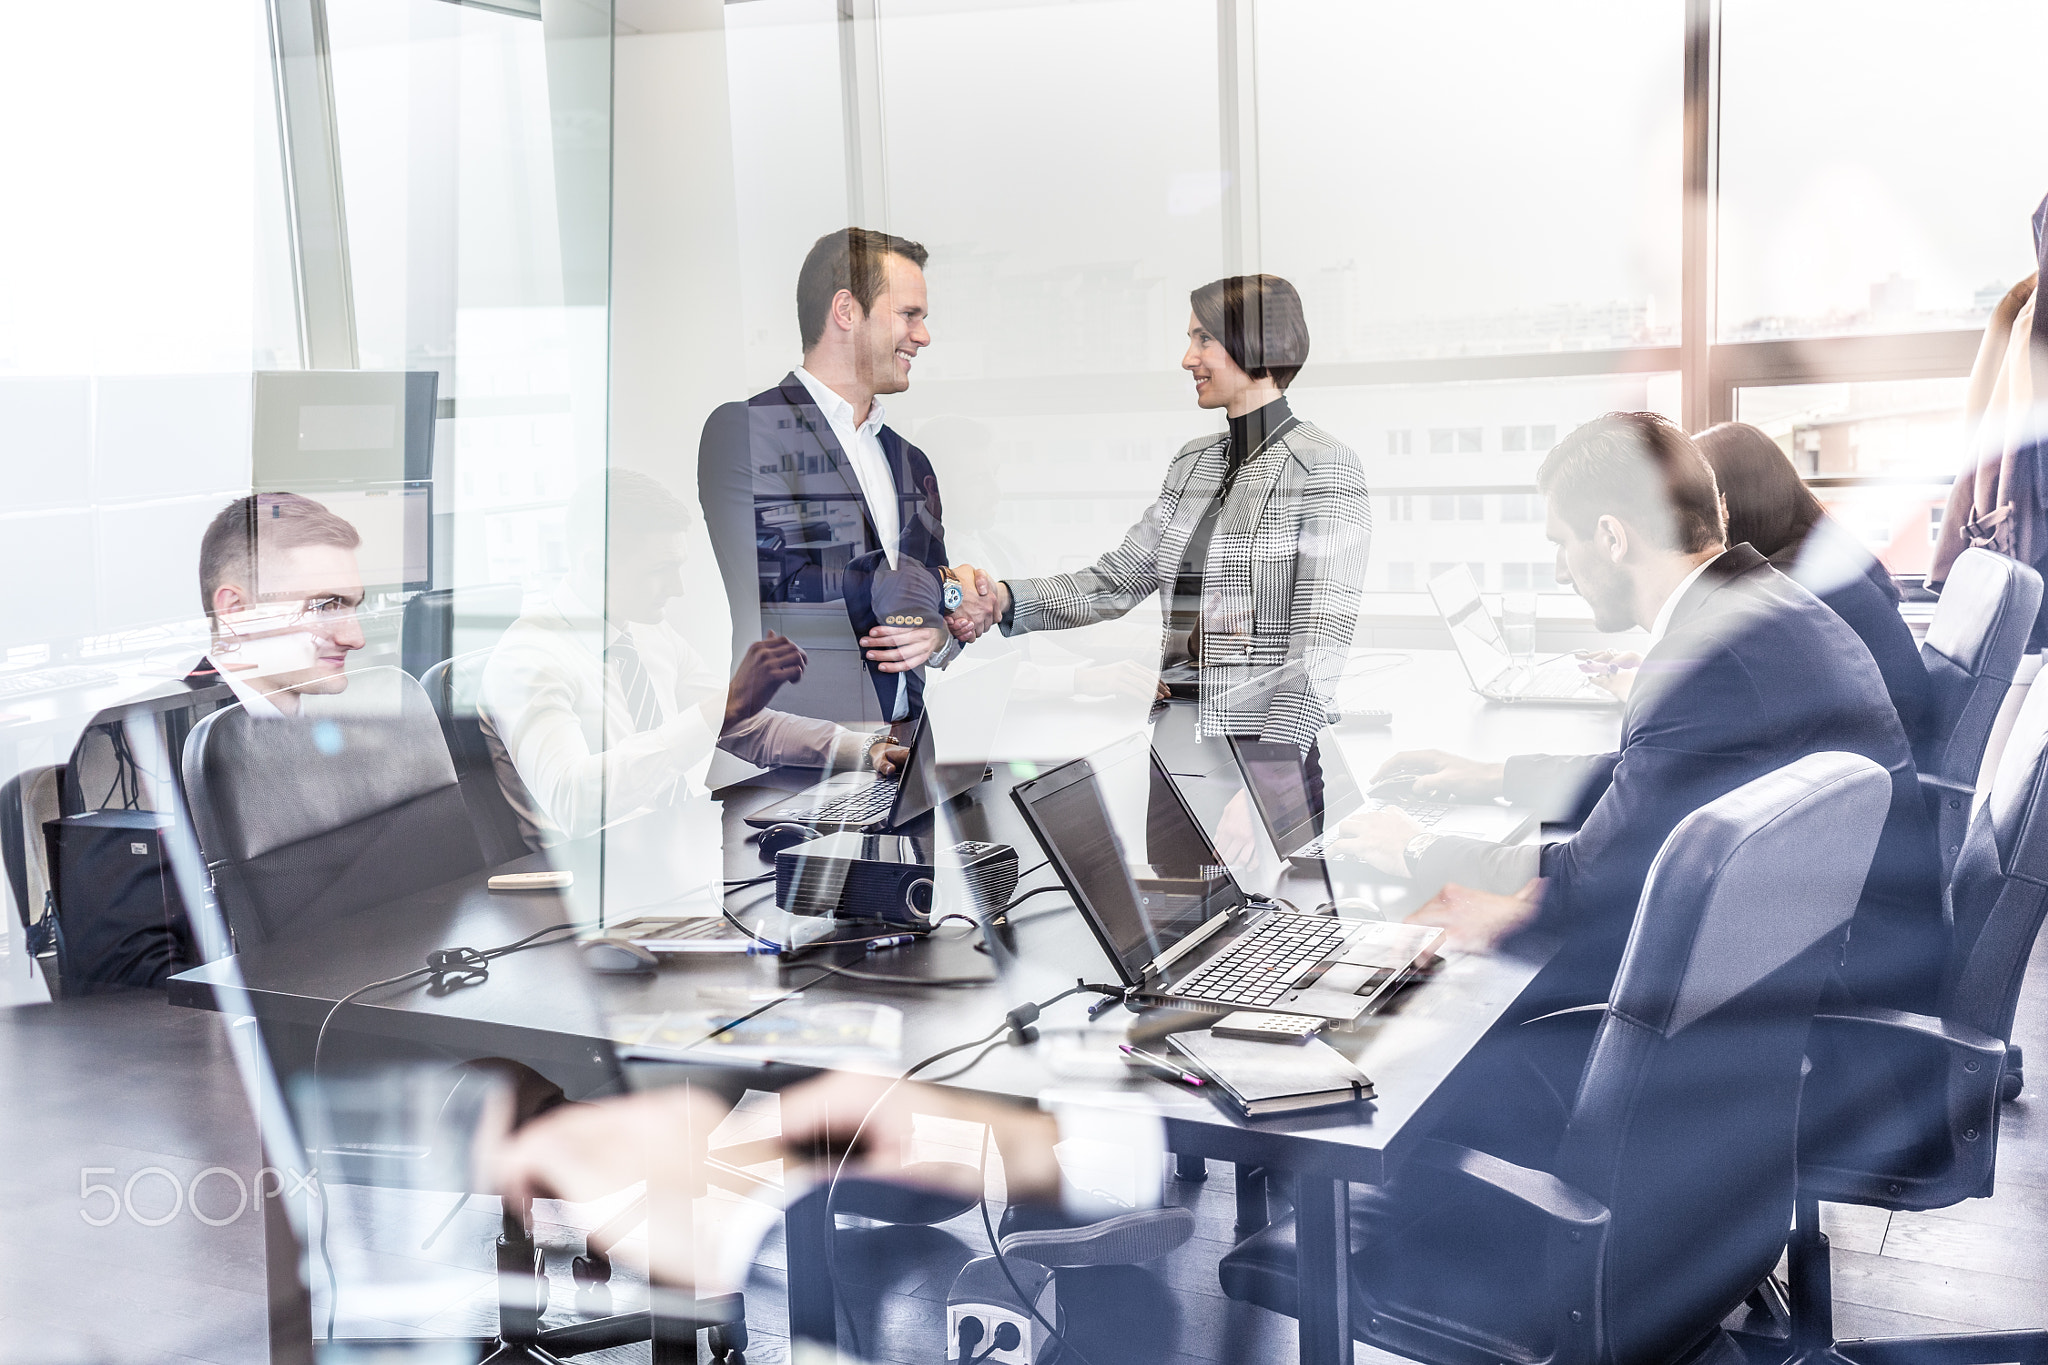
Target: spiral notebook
column 1263, row 1078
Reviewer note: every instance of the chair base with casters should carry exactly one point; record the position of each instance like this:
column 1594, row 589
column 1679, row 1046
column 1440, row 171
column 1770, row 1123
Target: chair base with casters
column 1810, row 1313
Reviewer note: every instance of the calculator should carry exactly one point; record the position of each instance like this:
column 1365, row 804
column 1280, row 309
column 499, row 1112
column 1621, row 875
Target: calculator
column 1268, row 1028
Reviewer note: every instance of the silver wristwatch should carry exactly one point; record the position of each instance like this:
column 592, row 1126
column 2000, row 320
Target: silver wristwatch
column 1415, row 848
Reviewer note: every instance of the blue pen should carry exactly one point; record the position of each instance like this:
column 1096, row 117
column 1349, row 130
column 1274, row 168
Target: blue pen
column 893, row 941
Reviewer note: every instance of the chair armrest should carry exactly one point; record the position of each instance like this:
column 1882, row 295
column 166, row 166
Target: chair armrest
column 1957, row 1037
column 1539, row 1190
column 1972, row 1069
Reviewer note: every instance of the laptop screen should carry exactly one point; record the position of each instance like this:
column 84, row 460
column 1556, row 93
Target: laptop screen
column 1298, row 796
column 1129, row 850
column 1473, row 630
column 926, row 783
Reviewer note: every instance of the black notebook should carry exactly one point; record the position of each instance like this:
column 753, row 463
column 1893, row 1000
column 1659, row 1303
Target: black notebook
column 1268, row 1078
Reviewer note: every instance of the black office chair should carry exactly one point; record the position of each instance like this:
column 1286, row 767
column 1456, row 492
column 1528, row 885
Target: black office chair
column 1921, row 1094
column 454, row 686
column 1972, row 651
column 441, row 623
column 306, row 820
column 1664, row 1203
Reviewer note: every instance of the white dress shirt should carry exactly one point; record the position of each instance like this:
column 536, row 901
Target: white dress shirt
column 254, row 702
column 561, row 731
column 1665, row 612
column 863, row 447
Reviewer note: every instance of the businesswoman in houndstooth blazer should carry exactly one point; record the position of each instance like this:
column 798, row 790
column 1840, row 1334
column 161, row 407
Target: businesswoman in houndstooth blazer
column 1256, row 546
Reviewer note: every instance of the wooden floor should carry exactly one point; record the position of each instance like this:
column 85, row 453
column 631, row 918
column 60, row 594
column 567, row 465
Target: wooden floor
column 120, row 1086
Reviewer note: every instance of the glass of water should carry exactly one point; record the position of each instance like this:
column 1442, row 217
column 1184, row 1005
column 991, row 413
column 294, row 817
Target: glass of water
column 1518, row 625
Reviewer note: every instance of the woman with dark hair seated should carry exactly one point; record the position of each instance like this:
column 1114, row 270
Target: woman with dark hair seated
column 1771, row 507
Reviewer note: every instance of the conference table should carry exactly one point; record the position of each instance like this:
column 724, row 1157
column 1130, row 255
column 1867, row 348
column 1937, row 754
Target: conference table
column 542, row 1009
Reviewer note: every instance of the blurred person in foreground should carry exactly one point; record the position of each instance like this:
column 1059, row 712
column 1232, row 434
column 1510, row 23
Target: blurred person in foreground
column 281, row 587
column 1745, row 672
column 1255, row 548
column 592, row 715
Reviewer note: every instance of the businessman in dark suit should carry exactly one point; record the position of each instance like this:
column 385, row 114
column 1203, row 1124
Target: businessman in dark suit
column 810, row 497
column 1745, row 672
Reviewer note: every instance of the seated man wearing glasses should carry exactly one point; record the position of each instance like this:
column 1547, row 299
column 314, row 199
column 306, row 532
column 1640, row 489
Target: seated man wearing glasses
column 278, row 576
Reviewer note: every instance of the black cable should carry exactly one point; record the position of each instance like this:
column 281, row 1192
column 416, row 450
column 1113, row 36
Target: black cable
column 969, row 1065
column 1003, row 1264
column 449, row 968
column 1035, row 891
column 741, row 883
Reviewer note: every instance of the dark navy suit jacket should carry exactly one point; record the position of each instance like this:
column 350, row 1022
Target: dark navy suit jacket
column 1753, row 672
column 1867, row 603
column 769, row 467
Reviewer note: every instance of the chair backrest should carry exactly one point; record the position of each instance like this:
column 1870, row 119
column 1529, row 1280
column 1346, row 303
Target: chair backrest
column 453, row 686
column 305, row 819
column 1999, row 892
column 442, row 623
column 1972, row 650
column 1685, row 1122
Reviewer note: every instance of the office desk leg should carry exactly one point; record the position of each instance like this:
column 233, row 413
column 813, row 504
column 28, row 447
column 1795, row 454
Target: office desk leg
column 1322, row 1248
column 1253, row 1212
column 813, row 1309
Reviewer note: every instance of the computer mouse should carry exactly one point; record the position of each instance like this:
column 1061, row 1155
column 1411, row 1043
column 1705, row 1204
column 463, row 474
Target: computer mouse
column 1398, row 788
column 775, row 838
column 616, row 957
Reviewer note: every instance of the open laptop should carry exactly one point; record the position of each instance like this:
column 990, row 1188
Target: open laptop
column 870, row 803
column 1174, row 921
column 1303, row 798
column 1483, row 649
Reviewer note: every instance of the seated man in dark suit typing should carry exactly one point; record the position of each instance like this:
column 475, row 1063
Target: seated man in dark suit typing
column 1744, row 672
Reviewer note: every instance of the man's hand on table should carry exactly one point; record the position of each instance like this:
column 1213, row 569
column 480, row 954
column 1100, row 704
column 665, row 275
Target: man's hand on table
column 1380, row 837
column 581, row 1152
column 825, row 1114
column 1477, row 921
column 1439, row 776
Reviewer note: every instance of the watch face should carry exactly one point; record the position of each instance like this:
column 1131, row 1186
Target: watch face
column 952, row 595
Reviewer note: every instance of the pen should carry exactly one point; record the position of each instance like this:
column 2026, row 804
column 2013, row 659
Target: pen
column 1161, row 1064
column 892, row 941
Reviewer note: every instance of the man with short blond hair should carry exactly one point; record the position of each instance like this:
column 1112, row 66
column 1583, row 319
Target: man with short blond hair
column 279, row 582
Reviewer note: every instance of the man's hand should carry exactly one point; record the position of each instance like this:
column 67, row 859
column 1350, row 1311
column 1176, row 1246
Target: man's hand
column 1380, row 837
column 1445, row 777
column 980, row 607
column 823, row 1116
column 582, row 1152
column 1612, row 669
column 1478, row 920
column 764, row 668
column 899, row 649
column 885, row 756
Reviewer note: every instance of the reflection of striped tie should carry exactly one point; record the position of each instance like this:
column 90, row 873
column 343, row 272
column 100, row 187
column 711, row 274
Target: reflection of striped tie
column 634, row 685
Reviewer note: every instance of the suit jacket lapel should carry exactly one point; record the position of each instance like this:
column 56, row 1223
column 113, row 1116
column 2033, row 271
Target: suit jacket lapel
column 811, row 420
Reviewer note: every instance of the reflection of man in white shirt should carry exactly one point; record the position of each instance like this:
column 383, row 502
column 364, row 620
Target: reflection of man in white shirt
column 595, row 708
column 279, row 579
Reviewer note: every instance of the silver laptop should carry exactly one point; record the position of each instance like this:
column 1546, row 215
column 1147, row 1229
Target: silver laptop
column 1302, row 798
column 1483, row 649
column 1174, row 921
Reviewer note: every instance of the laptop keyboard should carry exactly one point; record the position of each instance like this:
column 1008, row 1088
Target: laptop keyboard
column 871, row 802
column 1261, row 966
column 1423, row 813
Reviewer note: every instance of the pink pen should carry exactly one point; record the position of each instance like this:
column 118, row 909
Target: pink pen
column 1161, row 1064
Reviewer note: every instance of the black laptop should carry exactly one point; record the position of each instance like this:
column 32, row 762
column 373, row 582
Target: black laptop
column 1172, row 919
column 869, row 803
